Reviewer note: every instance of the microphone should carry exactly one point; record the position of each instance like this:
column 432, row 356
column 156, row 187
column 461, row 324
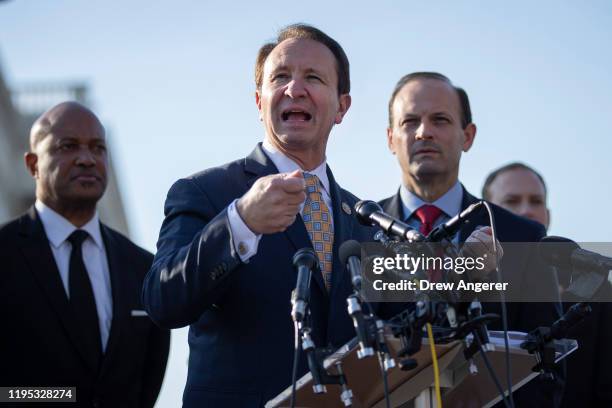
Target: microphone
column 371, row 214
column 450, row 227
column 304, row 260
column 573, row 316
column 350, row 255
column 567, row 253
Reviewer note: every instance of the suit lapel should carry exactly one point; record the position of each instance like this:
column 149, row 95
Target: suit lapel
column 38, row 256
column 257, row 165
column 394, row 207
column 119, row 284
column 343, row 230
column 479, row 219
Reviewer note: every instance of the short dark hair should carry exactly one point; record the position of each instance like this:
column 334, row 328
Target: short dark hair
column 310, row 33
column 511, row 166
column 464, row 101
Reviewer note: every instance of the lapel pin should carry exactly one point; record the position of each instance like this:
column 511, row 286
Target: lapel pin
column 346, row 208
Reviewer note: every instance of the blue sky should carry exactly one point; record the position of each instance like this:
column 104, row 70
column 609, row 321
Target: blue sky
column 173, row 82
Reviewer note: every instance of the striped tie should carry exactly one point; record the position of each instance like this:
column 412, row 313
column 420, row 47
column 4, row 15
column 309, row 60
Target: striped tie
column 317, row 220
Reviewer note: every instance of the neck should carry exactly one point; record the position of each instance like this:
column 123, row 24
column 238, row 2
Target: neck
column 428, row 189
column 307, row 158
column 78, row 214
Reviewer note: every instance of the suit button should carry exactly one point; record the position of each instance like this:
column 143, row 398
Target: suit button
column 95, row 403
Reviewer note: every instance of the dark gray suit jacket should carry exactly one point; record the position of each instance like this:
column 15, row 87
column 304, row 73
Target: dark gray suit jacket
column 517, row 269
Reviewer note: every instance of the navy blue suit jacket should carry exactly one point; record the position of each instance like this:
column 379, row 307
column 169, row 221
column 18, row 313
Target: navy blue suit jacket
column 518, row 269
column 241, row 333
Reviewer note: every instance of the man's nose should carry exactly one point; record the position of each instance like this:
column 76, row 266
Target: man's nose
column 295, row 89
column 525, row 210
column 424, row 131
column 85, row 157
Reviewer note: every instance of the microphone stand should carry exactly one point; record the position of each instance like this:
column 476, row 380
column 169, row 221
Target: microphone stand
column 540, row 341
column 315, row 357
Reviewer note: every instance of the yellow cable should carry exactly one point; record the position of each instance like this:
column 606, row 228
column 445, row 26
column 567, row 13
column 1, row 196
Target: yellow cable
column 434, row 359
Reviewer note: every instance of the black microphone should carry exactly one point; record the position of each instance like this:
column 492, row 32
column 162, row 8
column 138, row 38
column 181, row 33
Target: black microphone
column 304, row 260
column 350, row 255
column 450, row 227
column 568, row 253
column 573, row 316
column 371, row 214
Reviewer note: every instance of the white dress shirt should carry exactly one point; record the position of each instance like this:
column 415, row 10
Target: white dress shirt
column 246, row 241
column 58, row 229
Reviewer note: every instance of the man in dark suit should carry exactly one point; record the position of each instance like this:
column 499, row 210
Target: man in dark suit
column 69, row 285
column 430, row 125
column 519, row 188
column 224, row 265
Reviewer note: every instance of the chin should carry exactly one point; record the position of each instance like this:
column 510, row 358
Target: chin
column 426, row 169
column 296, row 140
column 86, row 195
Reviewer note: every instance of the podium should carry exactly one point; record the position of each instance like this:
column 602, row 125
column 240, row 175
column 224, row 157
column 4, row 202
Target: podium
column 463, row 383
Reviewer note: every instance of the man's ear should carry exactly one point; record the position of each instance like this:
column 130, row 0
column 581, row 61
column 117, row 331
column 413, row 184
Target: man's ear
column 469, row 134
column 390, row 140
column 344, row 103
column 31, row 161
column 258, row 102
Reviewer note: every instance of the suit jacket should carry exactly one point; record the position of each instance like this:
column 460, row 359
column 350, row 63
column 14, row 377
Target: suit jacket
column 241, row 334
column 517, row 269
column 40, row 343
column 589, row 381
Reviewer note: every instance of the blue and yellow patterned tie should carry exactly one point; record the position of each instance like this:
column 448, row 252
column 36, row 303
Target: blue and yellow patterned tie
column 317, row 219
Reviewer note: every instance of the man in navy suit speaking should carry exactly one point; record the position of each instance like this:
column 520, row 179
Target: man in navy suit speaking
column 223, row 264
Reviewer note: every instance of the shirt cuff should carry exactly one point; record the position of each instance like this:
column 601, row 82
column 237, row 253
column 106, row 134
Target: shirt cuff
column 244, row 240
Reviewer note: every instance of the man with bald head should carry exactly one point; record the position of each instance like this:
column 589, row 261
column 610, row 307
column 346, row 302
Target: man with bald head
column 520, row 189
column 70, row 286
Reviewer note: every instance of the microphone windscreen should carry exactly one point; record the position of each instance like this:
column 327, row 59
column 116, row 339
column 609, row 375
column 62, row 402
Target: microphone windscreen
column 305, row 257
column 348, row 249
column 557, row 251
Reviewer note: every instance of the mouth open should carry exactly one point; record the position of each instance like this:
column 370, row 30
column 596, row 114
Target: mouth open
column 296, row 115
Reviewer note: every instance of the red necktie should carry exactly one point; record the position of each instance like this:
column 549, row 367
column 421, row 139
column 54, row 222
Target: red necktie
column 428, row 214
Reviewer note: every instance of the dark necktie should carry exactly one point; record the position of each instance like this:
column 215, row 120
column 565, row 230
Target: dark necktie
column 428, row 214
column 82, row 298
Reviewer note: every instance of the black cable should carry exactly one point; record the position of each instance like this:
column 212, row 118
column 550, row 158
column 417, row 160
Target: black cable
column 381, row 363
column 503, row 304
column 296, row 356
column 483, row 353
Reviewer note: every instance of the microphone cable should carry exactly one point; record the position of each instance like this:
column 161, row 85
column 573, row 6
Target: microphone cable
column 491, row 372
column 296, row 356
column 436, row 369
column 381, row 363
column 503, row 304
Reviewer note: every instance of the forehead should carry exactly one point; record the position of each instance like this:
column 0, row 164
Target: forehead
column 76, row 124
column 425, row 95
column 301, row 53
column 518, row 181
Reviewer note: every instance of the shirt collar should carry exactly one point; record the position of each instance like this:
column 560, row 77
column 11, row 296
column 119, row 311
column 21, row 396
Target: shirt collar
column 449, row 203
column 285, row 165
column 58, row 228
